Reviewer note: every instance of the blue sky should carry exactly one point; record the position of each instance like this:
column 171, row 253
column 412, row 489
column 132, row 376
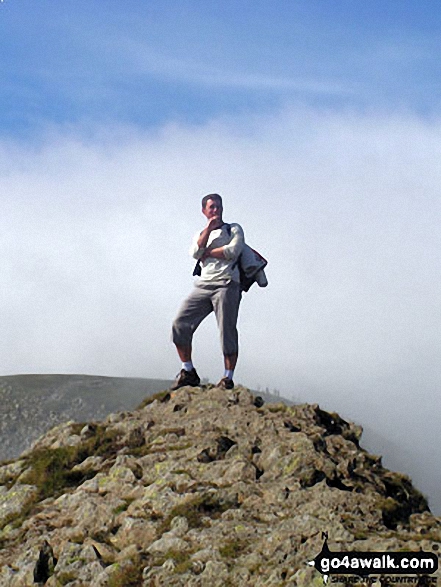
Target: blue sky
column 146, row 63
column 320, row 124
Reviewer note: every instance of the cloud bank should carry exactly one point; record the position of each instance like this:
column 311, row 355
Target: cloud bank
column 95, row 230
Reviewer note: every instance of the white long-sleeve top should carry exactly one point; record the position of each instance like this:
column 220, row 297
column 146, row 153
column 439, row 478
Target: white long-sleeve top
column 232, row 241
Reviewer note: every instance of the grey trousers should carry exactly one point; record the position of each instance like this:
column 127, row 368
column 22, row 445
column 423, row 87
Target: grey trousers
column 224, row 300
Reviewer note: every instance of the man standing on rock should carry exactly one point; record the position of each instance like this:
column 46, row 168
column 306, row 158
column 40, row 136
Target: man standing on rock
column 217, row 248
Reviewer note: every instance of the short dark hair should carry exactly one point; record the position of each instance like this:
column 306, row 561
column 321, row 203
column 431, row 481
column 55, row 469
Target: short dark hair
column 211, row 197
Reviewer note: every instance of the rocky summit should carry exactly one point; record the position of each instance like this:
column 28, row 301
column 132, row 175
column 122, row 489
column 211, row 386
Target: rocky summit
column 202, row 488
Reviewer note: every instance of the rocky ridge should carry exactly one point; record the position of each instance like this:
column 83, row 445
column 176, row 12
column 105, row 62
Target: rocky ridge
column 201, row 487
column 32, row 404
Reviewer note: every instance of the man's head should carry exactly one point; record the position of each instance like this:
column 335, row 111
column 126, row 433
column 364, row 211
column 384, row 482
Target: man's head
column 215, row 197
column 212, row 206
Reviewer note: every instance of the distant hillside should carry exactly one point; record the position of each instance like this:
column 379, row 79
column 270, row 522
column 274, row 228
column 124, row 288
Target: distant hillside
column 203, row 488
column 32, row 404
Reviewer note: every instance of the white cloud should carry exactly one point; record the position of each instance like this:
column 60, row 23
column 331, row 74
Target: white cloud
column 195, row 70
column 95, row 233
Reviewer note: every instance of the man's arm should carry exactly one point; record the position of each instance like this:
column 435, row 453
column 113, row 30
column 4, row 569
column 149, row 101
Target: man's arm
column 216, row 253
column 230, row 251
column 198, row 248
column 213, row 224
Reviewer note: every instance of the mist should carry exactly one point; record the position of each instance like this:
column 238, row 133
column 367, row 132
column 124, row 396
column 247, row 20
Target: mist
column 95, row 231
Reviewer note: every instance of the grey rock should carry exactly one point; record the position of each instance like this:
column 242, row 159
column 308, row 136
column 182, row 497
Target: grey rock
column 167, row 543
column 133, row 500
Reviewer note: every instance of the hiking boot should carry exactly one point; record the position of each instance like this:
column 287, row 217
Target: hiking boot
column 186, row 378
column 226, row 383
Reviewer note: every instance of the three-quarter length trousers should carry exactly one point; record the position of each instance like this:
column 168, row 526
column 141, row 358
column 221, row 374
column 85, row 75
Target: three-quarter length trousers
column 224, row 300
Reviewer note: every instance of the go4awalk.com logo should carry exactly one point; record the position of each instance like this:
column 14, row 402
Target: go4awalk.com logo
column 362, row 564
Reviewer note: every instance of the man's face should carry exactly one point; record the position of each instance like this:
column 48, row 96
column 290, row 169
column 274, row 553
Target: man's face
column 213, row 209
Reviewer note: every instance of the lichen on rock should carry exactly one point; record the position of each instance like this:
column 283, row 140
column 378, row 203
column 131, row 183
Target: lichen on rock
column 202, row 487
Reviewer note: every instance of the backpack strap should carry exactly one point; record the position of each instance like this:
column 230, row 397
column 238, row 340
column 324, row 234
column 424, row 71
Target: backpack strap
column 228, row 226
column 197, row 269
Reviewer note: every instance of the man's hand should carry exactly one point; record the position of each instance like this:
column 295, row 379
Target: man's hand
column 213, row 224
column 205, row 255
